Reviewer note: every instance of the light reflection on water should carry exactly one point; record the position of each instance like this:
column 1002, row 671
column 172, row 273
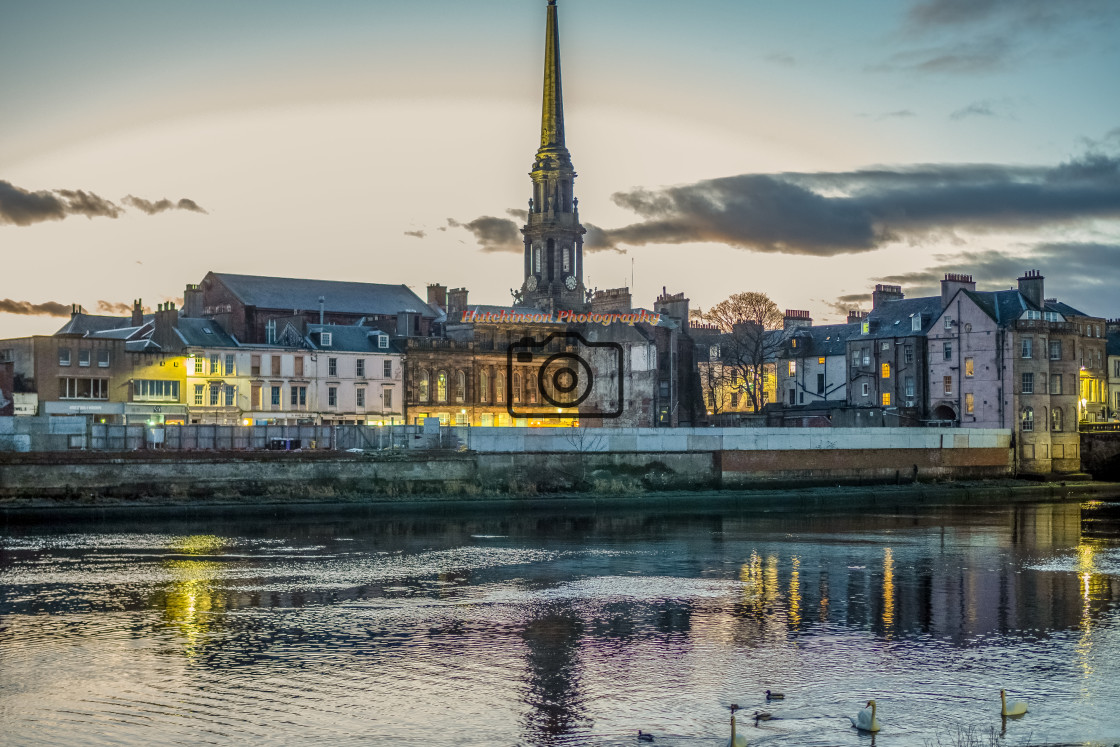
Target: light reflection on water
column 579, row 629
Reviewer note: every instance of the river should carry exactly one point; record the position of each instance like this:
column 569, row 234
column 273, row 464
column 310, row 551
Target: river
column 512, row 627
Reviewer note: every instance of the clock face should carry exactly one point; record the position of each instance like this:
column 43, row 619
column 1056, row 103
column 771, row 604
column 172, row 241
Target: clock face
column 570, row 282
column 531, row 283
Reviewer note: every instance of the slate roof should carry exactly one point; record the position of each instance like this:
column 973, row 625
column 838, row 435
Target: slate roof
column 1005, row 306
column 340, row 296
column 893, row 318
column 83, row 324
column 204, row 333
column 349, row 338
column 1112, row 344
column 826, row 339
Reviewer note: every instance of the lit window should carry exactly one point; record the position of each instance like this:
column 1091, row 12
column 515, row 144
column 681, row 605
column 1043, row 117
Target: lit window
column 794, row 342
column 969, row 403
column 198, row 367
column 969, row 367
column 1027, row 419
column 423, row 386
column 792, row 368
column 820, row 361
column 886, row 399
column 865, row 327
column 886, row 371
column 441, row 386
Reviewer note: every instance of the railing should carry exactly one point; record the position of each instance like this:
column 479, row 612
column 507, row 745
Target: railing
column 1091, row 427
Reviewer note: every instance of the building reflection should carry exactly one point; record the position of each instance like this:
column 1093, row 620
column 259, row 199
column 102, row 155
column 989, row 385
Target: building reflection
column 192, row 597
column 552, row 690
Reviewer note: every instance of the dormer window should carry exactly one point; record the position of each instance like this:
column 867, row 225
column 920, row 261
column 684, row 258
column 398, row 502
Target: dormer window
column 866, row 327
column 916, row 323
column 325, row 339
column 383, row 341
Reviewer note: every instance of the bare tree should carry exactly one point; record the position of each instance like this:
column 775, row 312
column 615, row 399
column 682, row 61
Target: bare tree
column 748, row 342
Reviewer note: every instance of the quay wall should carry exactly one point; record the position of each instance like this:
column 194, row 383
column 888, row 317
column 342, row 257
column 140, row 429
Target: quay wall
column 515, row 463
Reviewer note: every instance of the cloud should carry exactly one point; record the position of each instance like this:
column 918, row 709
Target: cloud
column 151, row 208
column 21, row 207
column 779, row 58
column 825, row 214
column 115, row 308
column 26, row 308
column 418, row 234
column 493, row 234
column 900, row 114
column 849, row 302
column 984, row 108
column 1084, row 275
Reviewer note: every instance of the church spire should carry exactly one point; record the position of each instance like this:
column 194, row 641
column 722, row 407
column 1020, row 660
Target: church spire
column 553, row 266
column 552, row 113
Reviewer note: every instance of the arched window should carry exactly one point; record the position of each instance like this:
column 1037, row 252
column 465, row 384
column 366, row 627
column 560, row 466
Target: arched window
column 460, row 386
column 483, row 386
column 500, row 389
column 516, row 390
column 441, row 386
column 567, row 259
column 537, row 259
column 1056, row 419
column 424, row 391
column 1026, row 423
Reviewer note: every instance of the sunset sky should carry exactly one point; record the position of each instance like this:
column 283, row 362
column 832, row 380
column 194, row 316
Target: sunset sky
column 804, row 149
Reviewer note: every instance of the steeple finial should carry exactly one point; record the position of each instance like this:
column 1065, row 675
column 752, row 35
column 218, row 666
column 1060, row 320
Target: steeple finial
column 552, row 113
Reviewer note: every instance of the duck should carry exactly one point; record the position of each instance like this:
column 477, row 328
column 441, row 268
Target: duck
column 771, row 695
column 865, row 720
column 762, row 716
column 644, row 736
column 1014, row 708
column 736, row 740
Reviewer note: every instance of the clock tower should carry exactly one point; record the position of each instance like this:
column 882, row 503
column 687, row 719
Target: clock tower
column 553, row 236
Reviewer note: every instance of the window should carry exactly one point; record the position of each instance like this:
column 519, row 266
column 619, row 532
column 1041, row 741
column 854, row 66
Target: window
column 793, row 343
column 1026, row 422
column 713, row 352
column 231, row 395
column 387, row 398
column 908, row 387
column 483, row 386
column 383, row 341
column 1055, row 383
column 299, row 366
column 325, row 339
column 85, row 388
column 460, row 386
column 969, row 403
column 885, row 371
column 231, row 368
column 866, row 358
column 215, row 394
column 792, row 368
column 198, row 394
column 531, row 389
column 969, row 367
column 947, row 384
column 255, row 365
column 947, row 350
column 1027, row 348
column 83, row 357
column 884, row 346
column 734, row 399
column 215, row 365
column 102, row 358
column 441, row 386
column 1055, row 350
column 820, row 360
column 64, row 356
column 360, row 397
column 149, row 390
column 820, row 383
column 1027, row 384
column 948, row 322
column 276, row 397
column 866, row 386
column 332, row 396
column 566, row 259
column 388, row 369
column 275, row 365
column 792, row 396
column 270, row 331
column 886, row 399
column 500, row 389
column 1116, row 368
column 360, row 368
column 865, row 327
column 1056, row 419
column 423, row 386
column 908, row 354
column 916, row 323
column 199, row 367
column 299, row 396
column 332, row 366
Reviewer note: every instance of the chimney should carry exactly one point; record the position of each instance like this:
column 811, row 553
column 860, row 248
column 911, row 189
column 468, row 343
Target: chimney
column 137, row 313
column 1030, row 286
column 167, row 319
column 612, row 299
column 674, row 306
column 1112, row 326
column 855, row 316
column 322, row 308
column 437, row 296
column 192, row 301
column 795, row 318
column 884, row 294
column 952, row 283
column 456, row 303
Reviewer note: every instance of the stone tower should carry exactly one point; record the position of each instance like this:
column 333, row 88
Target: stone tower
column 553, row 236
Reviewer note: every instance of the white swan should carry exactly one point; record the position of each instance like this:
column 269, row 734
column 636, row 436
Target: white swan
column 1014, row 708
column 865, row 720
column 736, row 740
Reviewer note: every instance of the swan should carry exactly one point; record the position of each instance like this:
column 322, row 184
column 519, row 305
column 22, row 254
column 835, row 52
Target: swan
column 644, row 736
column 773, row 695
column 736, row 740
column 1014, row 708
column 865, row 720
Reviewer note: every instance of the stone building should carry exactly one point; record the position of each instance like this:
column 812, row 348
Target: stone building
column 812, row 369
column 7, row 388
column 1015, row 359
column 1113, row 353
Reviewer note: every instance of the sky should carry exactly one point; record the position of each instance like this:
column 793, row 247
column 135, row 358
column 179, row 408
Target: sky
column 806, row 149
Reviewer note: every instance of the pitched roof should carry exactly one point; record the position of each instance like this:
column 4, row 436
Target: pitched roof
column 1112, row 344
column 349, row 338
column 204, row 333
column 826, row 339
column 340, row 296
column 894, row 318
column 83, row 324
column 1005, row 306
